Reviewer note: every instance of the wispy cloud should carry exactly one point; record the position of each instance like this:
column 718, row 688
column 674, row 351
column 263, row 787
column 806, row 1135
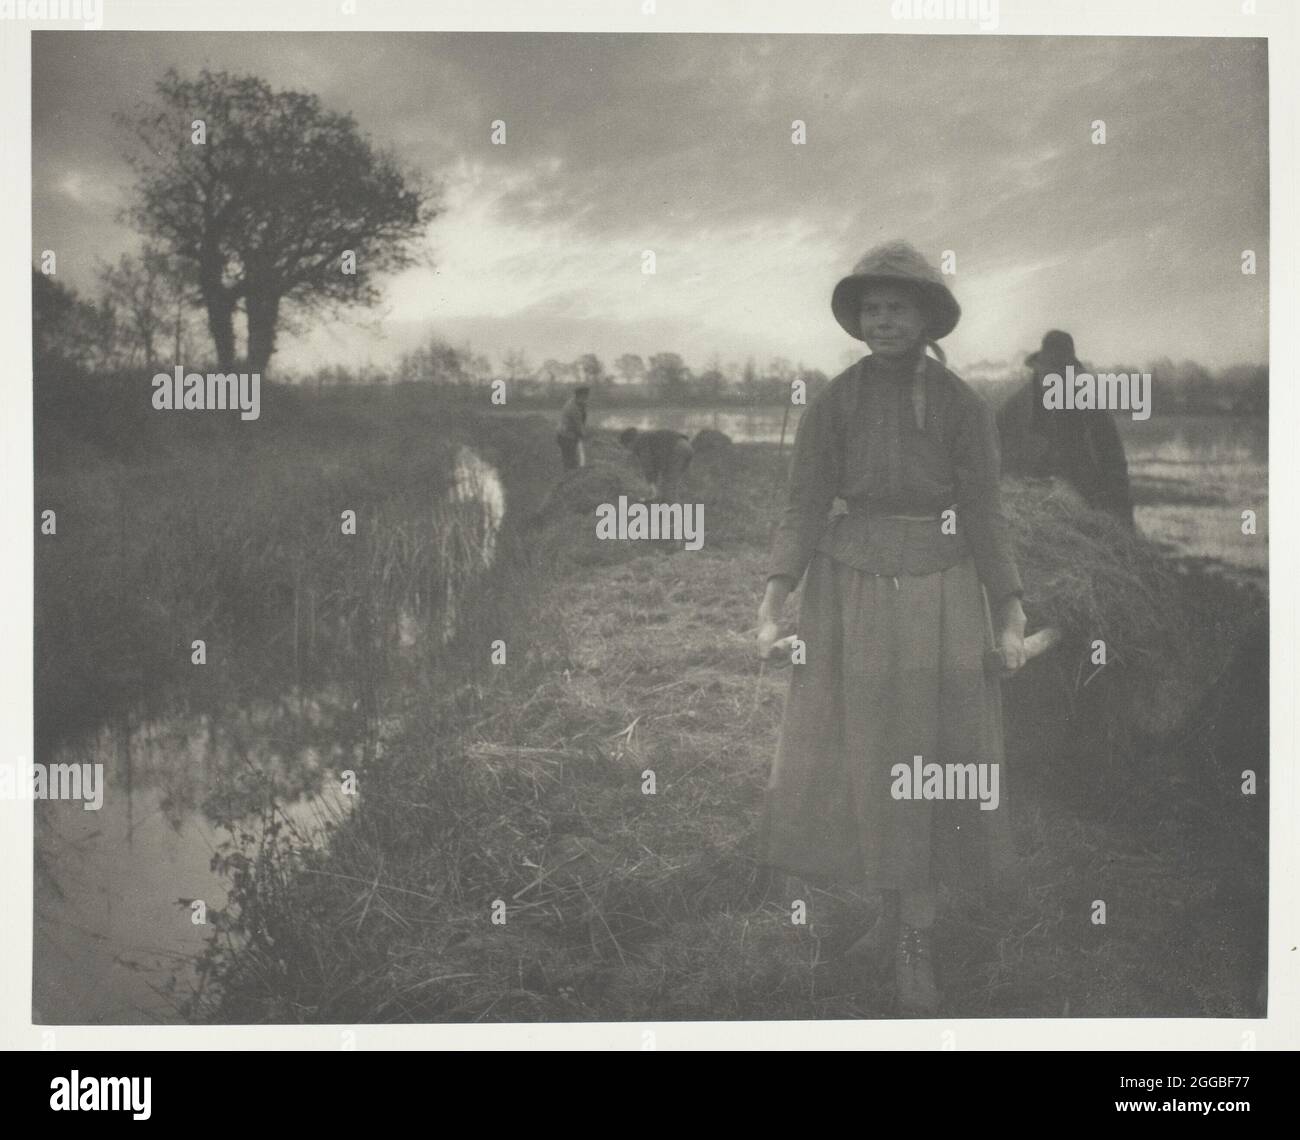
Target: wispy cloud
column 682, row 145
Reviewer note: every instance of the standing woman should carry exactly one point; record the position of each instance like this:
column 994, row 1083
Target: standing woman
column 895, row 622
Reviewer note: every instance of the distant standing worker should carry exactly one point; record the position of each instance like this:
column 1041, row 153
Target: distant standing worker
column 1080, row 445
column 664, row 455
column 573, row 428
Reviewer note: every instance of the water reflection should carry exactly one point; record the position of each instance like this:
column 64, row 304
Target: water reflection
column 477, row 482
column 114, row 942
column 466, row 521
column 114, row 936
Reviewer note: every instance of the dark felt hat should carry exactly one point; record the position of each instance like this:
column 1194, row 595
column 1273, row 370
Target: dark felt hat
column 896, row 261
column 1056, row 351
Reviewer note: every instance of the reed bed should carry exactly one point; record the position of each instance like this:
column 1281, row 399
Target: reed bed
column 238, row 540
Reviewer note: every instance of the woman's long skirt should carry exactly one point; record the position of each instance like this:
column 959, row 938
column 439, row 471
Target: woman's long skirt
column 895, row 670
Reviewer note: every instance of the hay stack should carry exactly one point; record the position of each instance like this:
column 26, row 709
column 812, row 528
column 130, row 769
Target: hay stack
column 1169, row 635
column 580, row 492
column 709, row 444
column 566, row 520
column 1087, row 574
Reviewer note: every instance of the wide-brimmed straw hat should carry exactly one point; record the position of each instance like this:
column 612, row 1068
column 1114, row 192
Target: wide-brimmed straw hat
column 896, row 261
column 1056, row 351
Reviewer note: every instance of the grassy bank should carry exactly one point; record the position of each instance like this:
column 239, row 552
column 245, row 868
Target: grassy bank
column 524, row 785
column 172, row 528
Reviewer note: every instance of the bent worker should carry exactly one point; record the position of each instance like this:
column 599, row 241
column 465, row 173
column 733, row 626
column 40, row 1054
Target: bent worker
column 573, row 428
column 1080, row 445
column 664, row 455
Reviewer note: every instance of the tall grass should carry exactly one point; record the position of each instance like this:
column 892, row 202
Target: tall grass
column 232, row 533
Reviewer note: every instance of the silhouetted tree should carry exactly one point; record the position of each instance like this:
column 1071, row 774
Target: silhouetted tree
column 630, row 366
column 590, row 371
column 711, row 383
column 153, row 295
column 69, row 332
column 438, row 362
column 515, row 363
column 553, row 373
column 668, row 373
column 265, row 207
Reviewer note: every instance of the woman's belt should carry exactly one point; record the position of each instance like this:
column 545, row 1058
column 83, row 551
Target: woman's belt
column 868, row 537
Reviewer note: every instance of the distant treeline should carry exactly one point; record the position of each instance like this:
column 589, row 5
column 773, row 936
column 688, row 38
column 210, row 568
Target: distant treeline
column 665, row 378
column 120, row 331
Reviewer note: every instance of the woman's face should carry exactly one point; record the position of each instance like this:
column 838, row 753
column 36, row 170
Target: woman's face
column 892, row 321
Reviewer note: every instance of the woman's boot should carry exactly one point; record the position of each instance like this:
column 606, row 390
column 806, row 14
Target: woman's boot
column 874, row 947
column 918, row 996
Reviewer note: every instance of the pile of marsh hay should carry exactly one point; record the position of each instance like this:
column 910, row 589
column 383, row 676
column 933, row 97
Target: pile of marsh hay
column 711, row 444
column 566, row 519
column 581, row 491
column 1169, row 634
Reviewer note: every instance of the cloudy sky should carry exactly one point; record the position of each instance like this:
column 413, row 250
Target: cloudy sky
column 681, row 144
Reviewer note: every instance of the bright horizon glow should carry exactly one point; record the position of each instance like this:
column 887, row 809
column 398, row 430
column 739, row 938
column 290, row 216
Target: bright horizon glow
column 682, row 145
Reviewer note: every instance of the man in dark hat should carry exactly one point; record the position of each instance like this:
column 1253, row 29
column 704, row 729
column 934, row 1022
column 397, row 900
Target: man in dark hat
column 1080, row 445
column 664, row 455
column 573, row 428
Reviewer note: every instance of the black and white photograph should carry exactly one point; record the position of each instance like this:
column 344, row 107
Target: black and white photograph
column 649, row 526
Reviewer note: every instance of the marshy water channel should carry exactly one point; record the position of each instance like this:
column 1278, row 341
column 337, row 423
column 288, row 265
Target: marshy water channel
column 196, row 788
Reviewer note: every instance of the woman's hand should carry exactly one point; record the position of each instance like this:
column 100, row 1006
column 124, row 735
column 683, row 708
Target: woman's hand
column 1011, row 636
column 769, row 633
column 1011, row 646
